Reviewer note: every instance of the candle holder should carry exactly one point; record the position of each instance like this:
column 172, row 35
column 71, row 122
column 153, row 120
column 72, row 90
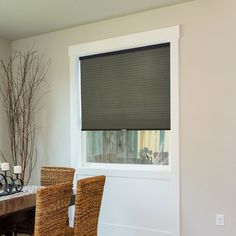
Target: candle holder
column 3, row 184
column 18, row 183
column 8, row 185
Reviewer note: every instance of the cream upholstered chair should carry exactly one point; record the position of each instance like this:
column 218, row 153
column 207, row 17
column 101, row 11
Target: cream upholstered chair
column 52, row 210
column 49, row 176
column 87, row 206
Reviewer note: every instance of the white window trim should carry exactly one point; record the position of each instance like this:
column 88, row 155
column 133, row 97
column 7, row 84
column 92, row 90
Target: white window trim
column 170, row 34
column 159, row 36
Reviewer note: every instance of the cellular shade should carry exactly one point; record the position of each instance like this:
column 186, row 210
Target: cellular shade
column 128, row 89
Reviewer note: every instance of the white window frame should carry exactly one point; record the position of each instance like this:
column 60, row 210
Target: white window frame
column 78, row 141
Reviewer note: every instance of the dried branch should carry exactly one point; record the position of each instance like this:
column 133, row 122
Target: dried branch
column 22, row 76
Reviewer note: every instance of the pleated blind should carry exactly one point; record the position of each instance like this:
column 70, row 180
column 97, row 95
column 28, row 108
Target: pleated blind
column 127, row 89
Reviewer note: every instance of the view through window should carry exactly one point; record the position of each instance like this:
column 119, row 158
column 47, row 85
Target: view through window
column 128, row 147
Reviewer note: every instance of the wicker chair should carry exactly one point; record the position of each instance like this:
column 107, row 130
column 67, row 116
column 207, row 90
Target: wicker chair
column 49, row 176
column 52, row 210
column 87, row 206
column 56, row 175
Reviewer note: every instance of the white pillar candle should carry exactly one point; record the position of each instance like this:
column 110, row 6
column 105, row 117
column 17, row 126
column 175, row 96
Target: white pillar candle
column 17, row 170
column 5, row 166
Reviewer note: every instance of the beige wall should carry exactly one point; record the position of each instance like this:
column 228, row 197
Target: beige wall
column 207, row 103
column 5, row 52
column 5, row 48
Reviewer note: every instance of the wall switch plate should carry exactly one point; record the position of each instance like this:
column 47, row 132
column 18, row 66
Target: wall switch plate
column 220, row 219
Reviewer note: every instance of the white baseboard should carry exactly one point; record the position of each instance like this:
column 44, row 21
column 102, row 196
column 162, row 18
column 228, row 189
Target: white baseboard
column 109, row 229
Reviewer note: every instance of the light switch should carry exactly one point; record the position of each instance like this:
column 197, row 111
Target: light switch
column 220, row 219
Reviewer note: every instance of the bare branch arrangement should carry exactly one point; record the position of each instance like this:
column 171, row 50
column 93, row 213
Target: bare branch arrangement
column 22, row 76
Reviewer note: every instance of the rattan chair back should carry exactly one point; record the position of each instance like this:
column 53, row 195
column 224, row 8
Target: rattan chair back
column 87, row 205
column 56, row 175
column 49, row 176
column 52, row 210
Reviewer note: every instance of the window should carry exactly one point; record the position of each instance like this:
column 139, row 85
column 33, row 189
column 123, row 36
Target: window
column 127, row 89
column 127, row 147
column 114, row 142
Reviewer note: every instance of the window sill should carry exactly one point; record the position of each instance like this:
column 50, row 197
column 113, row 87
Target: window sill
column 127, row 171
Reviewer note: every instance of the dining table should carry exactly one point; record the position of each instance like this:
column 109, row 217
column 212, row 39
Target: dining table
column 18, row 209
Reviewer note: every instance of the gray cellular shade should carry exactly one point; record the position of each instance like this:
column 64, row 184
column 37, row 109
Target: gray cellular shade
column 127, row 89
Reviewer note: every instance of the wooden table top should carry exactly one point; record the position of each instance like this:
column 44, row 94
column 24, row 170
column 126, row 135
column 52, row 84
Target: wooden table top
column 16, row 205
column 19, row 209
